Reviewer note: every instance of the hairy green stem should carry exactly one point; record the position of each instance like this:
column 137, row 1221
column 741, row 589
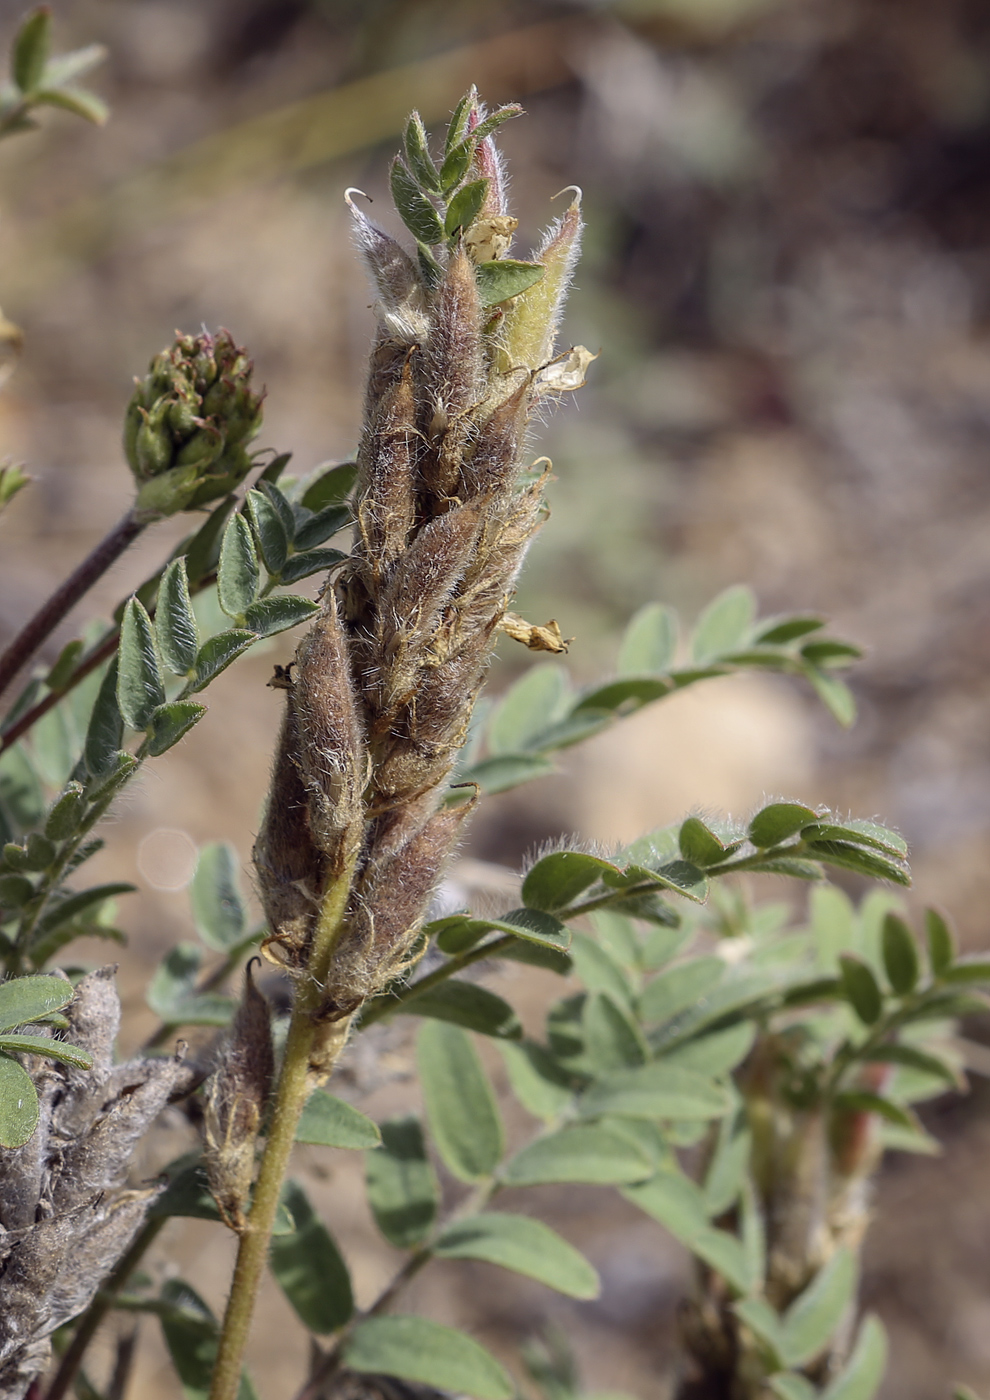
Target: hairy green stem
column 72, row 1358
column 290, row 1097
column 63, row 600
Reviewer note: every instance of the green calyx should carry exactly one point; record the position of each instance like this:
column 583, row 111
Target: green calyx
column 189, row 423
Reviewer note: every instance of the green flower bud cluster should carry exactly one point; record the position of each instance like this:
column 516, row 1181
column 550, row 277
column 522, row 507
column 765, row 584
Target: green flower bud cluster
column 189, row 422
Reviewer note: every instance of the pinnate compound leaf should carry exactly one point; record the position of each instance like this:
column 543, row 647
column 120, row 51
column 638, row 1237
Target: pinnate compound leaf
column 427, row 1352
column 215, row 894
column 727, row 1169
column 505, row 278
column 418, row 154
column 649, row 643
column 140, row 688
column 716, row 1053
column 216, row 654
column 321, row 525
column 627, row 694
column 655, row 1090
column 787, row 629
column 674, row 1200
column 968, row 970
column 330, row 1122
column 599, row 970
column 309, row 1267
column 402, row 1187
column 860, row 1380
column 900, row 955
column 523, row 1245
column 270, row 616
column 170, row 723
column 588, row 1153
column 175, row 622
column 460, row 1103
column 724, row 625
column 556, row 881
column 26, row 999
column 913, row 1057
column 863, row 1101
column 862, row 833
column 861, row 989
column 18, row 1104
column 468, row 1005
column 237, row 573
column 815, row 1314
column 778, row 821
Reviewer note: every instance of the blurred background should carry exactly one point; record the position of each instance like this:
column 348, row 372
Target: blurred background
column 787, row 270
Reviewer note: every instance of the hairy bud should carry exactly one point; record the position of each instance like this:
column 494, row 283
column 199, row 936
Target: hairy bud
column 188, row 424
column 236, row 1098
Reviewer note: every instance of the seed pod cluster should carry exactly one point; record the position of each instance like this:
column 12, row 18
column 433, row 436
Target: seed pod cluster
column 384, row 686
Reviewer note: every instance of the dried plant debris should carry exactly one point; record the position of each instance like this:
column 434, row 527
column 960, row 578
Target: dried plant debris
column 66, row 1212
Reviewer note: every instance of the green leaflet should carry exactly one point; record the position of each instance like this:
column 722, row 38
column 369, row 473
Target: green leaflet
column 460, row 1103
column 309, row 1267
column 215, row 894
column 330, row 1122
column 402, row 1187
column 140, row 688
column 417, row 1350
column 18, row 1104
column 523, row 1245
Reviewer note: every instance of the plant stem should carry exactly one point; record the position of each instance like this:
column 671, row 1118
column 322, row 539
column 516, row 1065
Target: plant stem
column 64, row 599
column 290, row 1097
column 72, row 1359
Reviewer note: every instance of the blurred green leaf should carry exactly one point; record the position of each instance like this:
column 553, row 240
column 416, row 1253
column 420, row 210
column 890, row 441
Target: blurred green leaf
column 861, row 989
column 861, row 1377
column 535, row 701
column 724, row 625
column 815, row 1314
column 402, row 1188
column 649, row 643
column 468, row 1005
column 32, row 46
column 900, row 955
column 215, row 894
column 538, row 1082
column 590, row 1153
column 505, row 771
column 460, row 1104
column 523, row 1245
column 612, row 1040
column 309, row 1267
column 426, row 1352
column 941, row 944
column 654, row 1091
column 680, row 987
